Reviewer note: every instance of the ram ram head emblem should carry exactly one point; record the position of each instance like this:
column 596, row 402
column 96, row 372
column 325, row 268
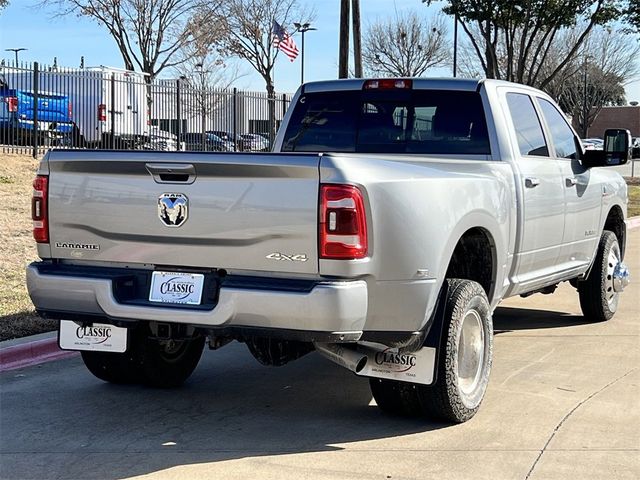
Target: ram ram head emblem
column 173, row 209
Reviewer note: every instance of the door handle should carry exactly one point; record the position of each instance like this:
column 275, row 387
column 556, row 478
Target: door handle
column 172, row 172
column 531, row 182
column 571, row 181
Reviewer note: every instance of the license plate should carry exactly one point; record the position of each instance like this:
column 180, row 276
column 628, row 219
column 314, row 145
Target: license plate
column 98, row 337
column 176, row 287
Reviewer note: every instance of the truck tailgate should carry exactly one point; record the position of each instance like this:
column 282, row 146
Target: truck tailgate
column 234, row 211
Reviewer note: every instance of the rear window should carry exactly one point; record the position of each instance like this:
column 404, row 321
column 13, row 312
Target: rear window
column 390, row 121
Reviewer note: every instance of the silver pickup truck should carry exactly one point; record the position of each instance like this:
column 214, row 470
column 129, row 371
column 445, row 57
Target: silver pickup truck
column 392, row 218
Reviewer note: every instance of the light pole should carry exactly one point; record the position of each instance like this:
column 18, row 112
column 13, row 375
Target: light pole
column 15, row 50
column 302, row 27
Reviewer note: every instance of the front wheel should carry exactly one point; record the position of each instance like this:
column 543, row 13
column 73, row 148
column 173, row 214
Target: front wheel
column 464, row 362
column 600, row 292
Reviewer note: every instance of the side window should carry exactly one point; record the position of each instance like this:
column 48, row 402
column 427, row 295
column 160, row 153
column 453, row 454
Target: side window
column 527, row 125
column 563, row 138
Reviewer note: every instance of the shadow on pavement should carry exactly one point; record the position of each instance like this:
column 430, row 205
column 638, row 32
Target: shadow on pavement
column 59, row 421
column 507, row 319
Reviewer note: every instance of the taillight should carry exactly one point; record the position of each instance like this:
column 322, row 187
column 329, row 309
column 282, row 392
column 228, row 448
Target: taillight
column 12, row 102
column 39, row 209
column 387, row 84
column 102, row 112
column 343, row 224
column 70, row 110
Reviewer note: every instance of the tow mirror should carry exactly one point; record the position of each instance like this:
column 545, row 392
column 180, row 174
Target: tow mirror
column 615, row 151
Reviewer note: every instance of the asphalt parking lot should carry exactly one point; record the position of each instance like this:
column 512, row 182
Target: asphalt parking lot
column 563, row 402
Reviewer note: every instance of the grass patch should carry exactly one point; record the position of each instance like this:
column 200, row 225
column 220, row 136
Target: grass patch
column 633, row 209
column 17, row 316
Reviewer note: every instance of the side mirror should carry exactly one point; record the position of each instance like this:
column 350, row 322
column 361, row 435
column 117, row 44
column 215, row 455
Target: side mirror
column 616, row 150
column 617, row 146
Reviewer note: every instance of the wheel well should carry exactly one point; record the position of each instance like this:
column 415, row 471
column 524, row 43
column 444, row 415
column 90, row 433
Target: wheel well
column 615, row 224
column 474, row 259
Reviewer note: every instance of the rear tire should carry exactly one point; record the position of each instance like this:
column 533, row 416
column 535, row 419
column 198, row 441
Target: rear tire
column 464, row 363
column 598, row 300
column 119, row 368
column 168, row 363
column 160, row 363
column 397, row 398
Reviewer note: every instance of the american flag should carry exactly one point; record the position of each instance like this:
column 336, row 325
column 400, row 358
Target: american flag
column 283, row 41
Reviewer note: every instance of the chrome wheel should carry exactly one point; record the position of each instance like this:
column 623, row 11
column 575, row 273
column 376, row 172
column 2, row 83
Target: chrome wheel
column 612, row 294
column 471, row 346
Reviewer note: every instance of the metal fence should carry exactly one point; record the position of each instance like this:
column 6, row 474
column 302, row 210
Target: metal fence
column 108, row 108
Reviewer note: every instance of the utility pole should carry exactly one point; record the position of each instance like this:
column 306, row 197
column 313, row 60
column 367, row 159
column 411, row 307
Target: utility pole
column 357, row 49
column 343, row 54
column 455, row 45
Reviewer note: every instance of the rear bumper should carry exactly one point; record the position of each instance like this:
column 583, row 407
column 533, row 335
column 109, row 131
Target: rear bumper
column 334, row 308
column 44, row 126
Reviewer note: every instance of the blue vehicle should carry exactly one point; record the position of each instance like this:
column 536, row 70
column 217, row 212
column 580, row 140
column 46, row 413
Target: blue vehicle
column 55, row 124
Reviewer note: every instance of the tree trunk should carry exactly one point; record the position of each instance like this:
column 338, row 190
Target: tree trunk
column 271, row 100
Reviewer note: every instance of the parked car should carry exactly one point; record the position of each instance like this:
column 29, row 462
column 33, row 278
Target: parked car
column 254, row 142
column 55, row 125
column 228, row 137
column 206, row 142
column 592, row 143
column 157, row 139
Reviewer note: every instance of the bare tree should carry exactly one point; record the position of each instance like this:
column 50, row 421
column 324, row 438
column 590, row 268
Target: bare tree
column 3, row 3
column 406, row 46
column 206, row 78
column 148, row 33
column 247, row 27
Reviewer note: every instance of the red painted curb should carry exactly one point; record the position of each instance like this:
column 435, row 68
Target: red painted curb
column 32, row 353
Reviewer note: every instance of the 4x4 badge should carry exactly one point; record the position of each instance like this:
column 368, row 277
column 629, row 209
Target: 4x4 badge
column 173, row 209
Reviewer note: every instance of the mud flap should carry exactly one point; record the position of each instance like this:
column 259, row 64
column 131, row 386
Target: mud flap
column 419, row 366
column 392, row 364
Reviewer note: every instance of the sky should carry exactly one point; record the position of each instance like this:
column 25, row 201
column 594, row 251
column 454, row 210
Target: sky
column 68, row 38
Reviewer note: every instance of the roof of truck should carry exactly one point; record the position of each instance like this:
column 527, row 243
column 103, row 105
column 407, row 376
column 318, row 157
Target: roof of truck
column 464, row 84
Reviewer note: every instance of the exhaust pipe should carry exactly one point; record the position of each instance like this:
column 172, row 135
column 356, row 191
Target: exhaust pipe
column 344, row 356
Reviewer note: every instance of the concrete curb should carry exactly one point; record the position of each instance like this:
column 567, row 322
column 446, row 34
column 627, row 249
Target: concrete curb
column 633, row 222
column 31, row 351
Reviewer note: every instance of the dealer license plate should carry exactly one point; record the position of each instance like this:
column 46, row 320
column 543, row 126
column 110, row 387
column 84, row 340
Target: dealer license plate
column 98, row 337
column 176, row 287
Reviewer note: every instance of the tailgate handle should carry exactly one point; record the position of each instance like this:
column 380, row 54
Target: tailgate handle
column 172, row 172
